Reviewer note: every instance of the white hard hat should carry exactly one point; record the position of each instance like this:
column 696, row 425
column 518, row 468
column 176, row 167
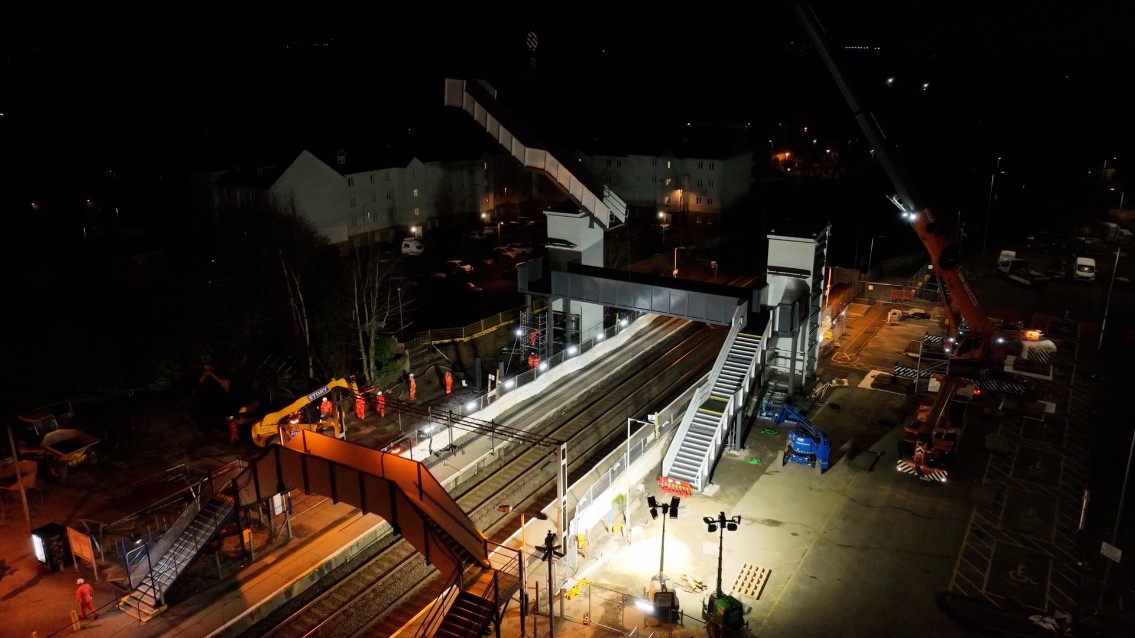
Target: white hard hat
column 80, row 581
column 380, row 392
column 411, row 375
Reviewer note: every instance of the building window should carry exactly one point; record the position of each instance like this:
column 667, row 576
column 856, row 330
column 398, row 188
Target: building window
column 699, row 183
column 667, row 182
column 653, row 179
column 701, row 165
column 485, row 165
column 608, row 179
column 417, row 211
column 653, row 161
column 372, row 178
column 350, row 181
column 699, row 200
column 666, row 200
column 618, row 163
column 389, row 195
column 354, row 202
column 374, row 198
column 414, row 192
column 711, row 166
column 388, row 177
column 341, row 159
column 608, row 163
column 711, row 183
column 709, row 201
column 667, row 163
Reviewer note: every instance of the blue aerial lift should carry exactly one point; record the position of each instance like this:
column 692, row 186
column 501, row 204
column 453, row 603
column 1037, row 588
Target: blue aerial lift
column 806, row 444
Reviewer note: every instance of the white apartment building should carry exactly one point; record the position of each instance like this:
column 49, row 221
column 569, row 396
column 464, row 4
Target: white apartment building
column 361, row 196
column 689, row 179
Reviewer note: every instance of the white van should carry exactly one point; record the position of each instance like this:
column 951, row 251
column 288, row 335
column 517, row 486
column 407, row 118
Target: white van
column 412, row 246
column 1085, row 269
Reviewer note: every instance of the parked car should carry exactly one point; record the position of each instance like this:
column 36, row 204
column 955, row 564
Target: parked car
column 1058, row 269
column 506, row 252
column 520, row 249
column 458, row 266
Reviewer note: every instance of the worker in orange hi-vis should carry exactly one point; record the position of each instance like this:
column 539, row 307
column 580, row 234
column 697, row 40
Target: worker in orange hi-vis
column 448, row 382
column 361, row 406
column 413, row 387
column 533, row 337
column 380, row 403
column 326, row 409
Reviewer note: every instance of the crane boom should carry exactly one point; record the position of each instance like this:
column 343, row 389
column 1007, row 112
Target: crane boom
column 933, row 233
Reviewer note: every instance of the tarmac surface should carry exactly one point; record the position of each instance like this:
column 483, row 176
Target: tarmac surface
column 829, row 570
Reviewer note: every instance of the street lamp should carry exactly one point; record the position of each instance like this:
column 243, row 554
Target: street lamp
column 670, row 508
column 550, row 552
column 499, row 224
column 520, row 560
column 627, row 470
column 871, row 253
column 989, row 206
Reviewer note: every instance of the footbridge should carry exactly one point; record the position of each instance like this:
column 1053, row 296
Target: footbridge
column 408, row 497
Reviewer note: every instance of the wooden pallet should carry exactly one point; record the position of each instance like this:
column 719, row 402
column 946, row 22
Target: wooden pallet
column 751, row 581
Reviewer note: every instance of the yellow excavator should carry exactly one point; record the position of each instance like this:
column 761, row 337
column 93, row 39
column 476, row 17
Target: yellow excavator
column 287, row 422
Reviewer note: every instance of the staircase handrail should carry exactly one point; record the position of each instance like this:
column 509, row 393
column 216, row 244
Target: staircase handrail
column 703, row 392
column 138, row 567
column 440, row 606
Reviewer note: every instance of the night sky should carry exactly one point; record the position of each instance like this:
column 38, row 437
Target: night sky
column 118, row 89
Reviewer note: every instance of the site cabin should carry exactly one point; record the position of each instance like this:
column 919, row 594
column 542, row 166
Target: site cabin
column 411, row 246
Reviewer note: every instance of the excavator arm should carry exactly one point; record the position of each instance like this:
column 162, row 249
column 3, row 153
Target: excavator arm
column 934, row 234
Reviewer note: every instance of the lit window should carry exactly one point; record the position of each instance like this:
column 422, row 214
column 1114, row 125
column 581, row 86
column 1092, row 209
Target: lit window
column 485, row 165
column 417, row 211
column 667, row 182
column 415, row 193
column 666, row 200
column 667, row 163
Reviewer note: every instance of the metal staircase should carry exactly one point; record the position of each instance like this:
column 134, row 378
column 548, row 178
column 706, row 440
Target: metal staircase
column 480, row 100
column 716, row 404
column 156, row 572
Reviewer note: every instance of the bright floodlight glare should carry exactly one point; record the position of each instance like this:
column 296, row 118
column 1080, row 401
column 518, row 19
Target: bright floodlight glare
column 571, row 351
column 520, row 332
column 644, row 606
column 472, row 405
column 543, row 366
column 508, row 385
column 1000, row 339
column 599, row 337
column 623, row 322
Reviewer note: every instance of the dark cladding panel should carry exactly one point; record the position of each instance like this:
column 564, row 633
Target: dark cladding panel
column 647, row 297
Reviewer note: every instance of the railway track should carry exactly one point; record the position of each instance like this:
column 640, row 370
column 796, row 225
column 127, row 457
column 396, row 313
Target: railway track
column 389, row 583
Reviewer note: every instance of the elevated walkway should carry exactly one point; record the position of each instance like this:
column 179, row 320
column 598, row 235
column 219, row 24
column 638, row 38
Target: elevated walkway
column 408, row 497
column 480, row 101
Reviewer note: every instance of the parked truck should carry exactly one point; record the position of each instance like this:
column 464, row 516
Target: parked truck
column 806, row 443
column 1018, row 270
column 55, row 448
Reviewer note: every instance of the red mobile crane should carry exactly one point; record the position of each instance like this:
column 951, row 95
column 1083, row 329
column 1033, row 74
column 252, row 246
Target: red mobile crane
column 975, row 342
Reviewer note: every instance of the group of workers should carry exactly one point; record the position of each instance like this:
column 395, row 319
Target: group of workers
column 327, row 408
